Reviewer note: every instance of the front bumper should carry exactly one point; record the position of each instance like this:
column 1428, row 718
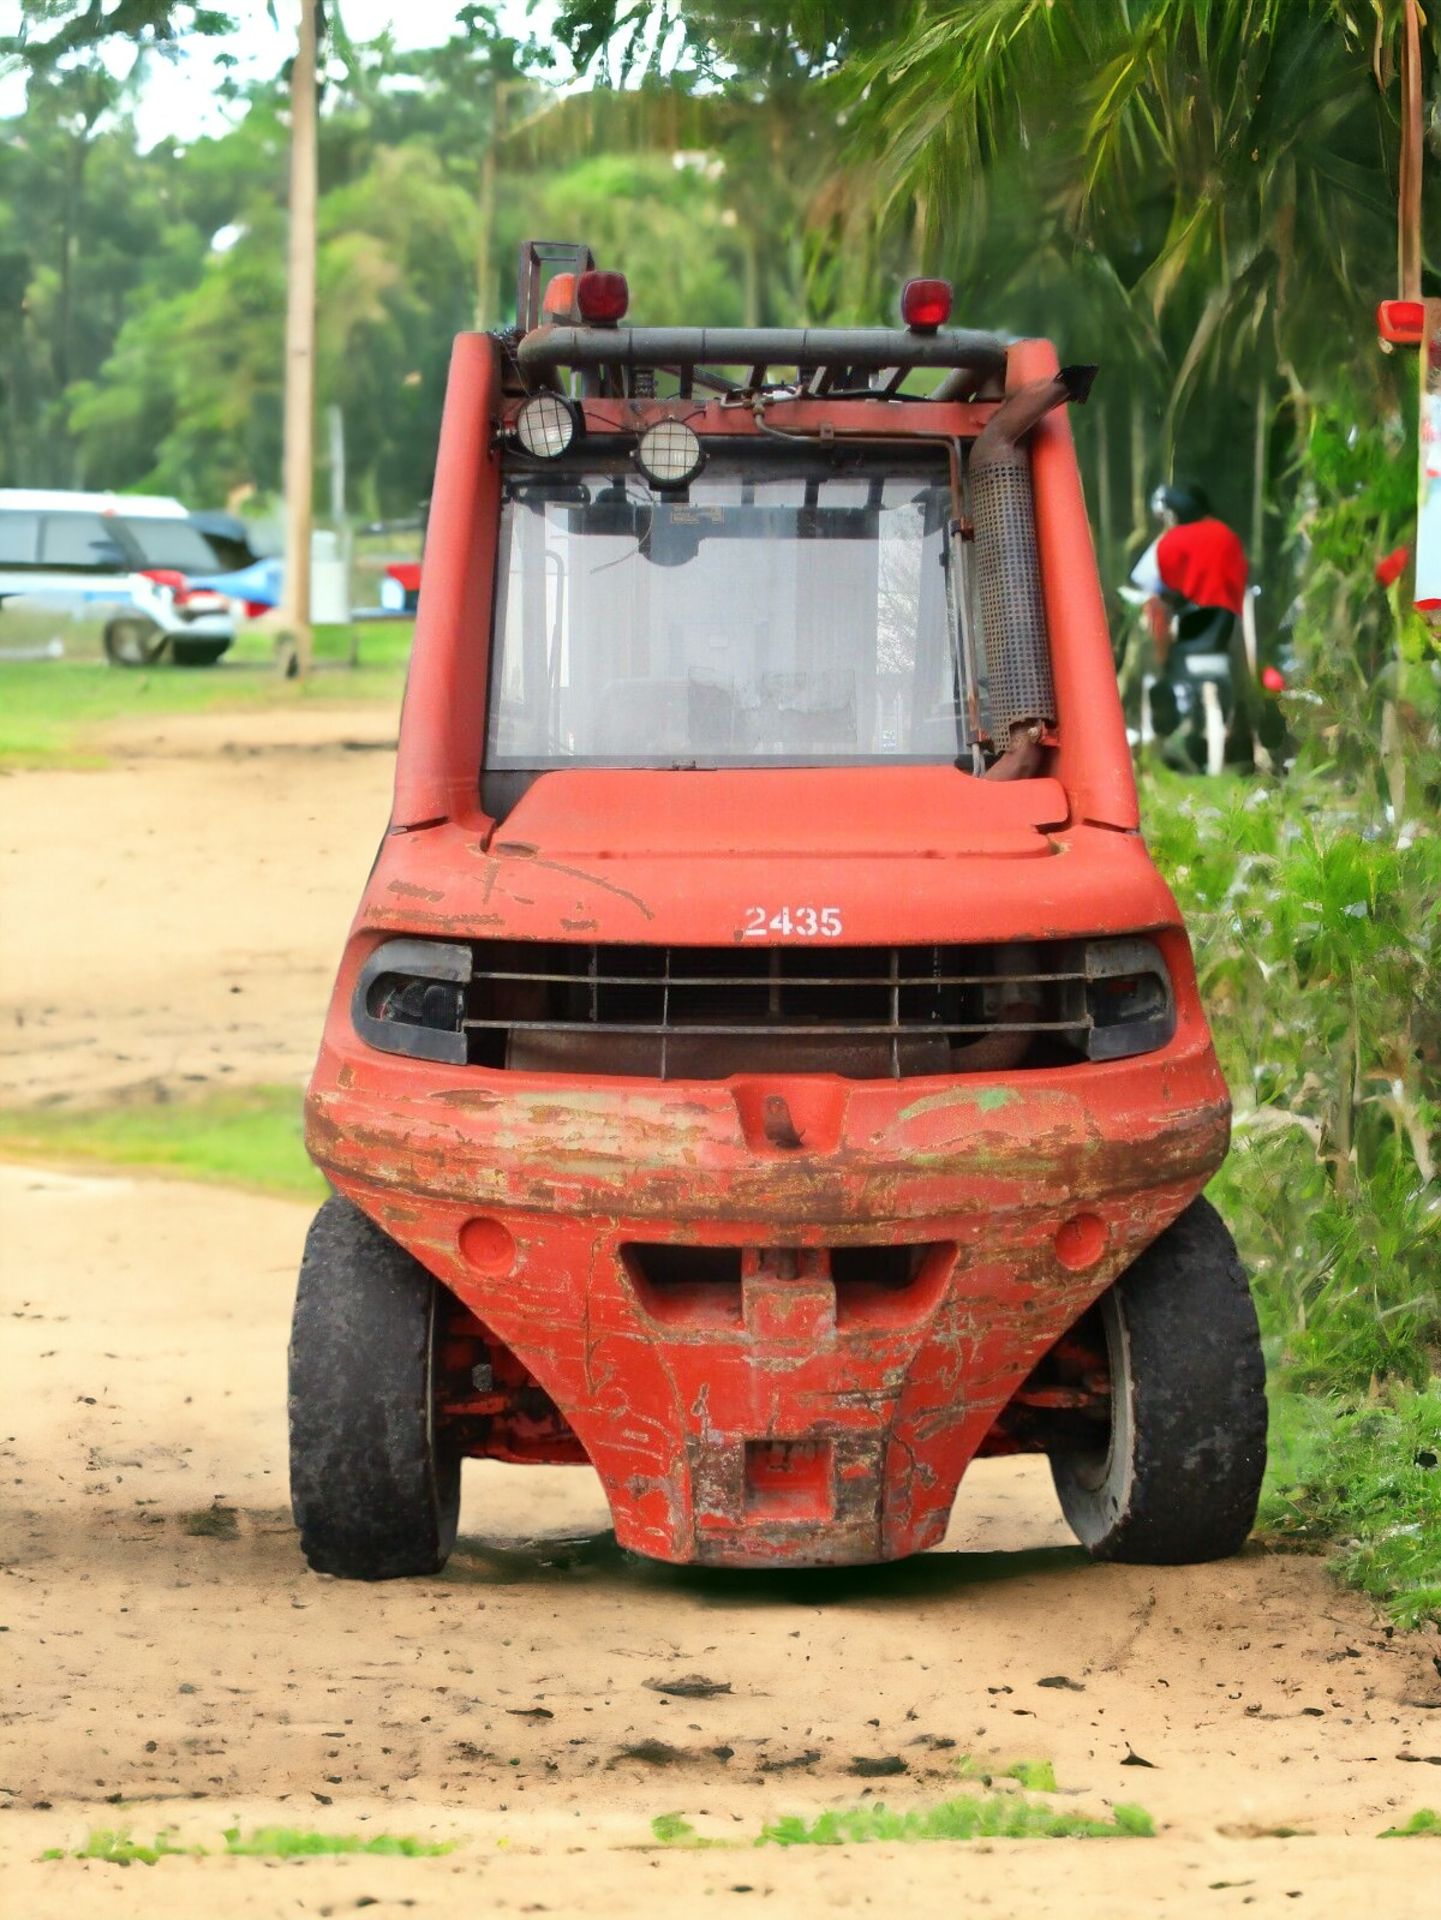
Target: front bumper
column 800, row 1418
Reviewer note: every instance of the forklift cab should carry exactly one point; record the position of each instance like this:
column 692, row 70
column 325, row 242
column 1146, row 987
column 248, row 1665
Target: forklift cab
column 765, row 1063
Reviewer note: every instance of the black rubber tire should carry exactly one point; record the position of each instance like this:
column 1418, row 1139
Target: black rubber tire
column 197, row 653
column 1179, row 1477
column 133, row 641
column 375, row 1494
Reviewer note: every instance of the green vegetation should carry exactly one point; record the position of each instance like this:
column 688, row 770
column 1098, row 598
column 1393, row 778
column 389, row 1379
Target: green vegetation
column 53, row 713
column 999, row 1816
column 146, row 290
column 1317, row 930
column 1367, row 1476
column 1035, row 1776
column 266, row 1843
column 1423, row 1821
column 1314, row 906
column 1316, row 939
column 115, row 1846
column 296, row 1843
column 674, row 1830
column 245, row 1136
column 1003, row 1816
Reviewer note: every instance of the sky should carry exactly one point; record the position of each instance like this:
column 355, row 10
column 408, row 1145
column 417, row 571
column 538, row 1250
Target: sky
column 178, row 98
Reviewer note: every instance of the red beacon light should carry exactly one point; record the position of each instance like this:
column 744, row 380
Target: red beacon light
column 926, row 304
column 559, row 299
column 601, row 298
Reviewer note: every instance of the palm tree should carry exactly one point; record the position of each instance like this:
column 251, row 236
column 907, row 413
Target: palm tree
column 1231, row 161
column 1205, row 186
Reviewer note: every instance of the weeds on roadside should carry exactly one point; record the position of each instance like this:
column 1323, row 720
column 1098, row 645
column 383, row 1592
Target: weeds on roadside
column 269, row 1843
column 115, row 1846
column 1423, row 1821
column 1368, row 1477
column 291, row 1843
column 1001, row 1816
column 1036, row 1776
column 674, row 1830
column 1317, row 931
column 1318, row 942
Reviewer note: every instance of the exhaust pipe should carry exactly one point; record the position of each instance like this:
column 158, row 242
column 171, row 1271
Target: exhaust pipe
column 1022, row 694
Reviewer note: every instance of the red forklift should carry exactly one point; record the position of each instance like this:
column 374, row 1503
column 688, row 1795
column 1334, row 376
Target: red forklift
column 766, row 1063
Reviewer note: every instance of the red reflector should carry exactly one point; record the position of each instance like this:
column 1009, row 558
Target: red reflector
column 1401, row 323
column 1273, row 680
column 926, row 304
column 602, row 298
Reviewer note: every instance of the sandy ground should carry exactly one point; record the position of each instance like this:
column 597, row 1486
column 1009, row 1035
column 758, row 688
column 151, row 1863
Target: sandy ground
column 153, row 1676
column 178, row 918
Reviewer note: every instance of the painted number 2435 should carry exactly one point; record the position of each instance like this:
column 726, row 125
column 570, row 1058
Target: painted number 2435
column 803, row 922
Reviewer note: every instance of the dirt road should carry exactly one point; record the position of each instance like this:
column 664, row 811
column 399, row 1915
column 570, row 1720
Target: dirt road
column 183, row 912
column 157, row 1674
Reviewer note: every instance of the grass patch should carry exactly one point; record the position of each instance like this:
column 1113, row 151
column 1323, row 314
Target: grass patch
column 1318, row 944
column 1367, row 1477
column 298, row 1843
column 53, row 712
column 266, row 1843
column 973, row 1816
column 674, row 1830
column 115, row 1846
column 1035, row 1776
column 1423, row 1821
column 995, row 1816
column 245, row 1136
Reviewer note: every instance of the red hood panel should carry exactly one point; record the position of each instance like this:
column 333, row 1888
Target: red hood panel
column 443, row 882
column 794, row 813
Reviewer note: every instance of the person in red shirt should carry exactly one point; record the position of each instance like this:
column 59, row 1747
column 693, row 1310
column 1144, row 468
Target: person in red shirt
column 1194, row 575
column 1196, row 565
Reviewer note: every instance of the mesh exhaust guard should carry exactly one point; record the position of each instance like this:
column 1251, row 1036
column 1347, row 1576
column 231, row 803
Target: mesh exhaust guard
column 1013, row 617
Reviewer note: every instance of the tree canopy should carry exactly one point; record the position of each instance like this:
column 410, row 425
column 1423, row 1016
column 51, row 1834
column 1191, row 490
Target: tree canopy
column 1199, row 193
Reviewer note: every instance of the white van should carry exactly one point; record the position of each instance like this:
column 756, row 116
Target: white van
column 80, row 567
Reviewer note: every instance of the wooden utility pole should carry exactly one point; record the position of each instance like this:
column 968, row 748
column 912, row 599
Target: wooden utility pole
column 487, row 312
column 1408, row 224
column 299, row 462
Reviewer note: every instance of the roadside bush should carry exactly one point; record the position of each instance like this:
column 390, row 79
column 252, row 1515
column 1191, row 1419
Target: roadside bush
column 1318, row 941
column 1368, row 1478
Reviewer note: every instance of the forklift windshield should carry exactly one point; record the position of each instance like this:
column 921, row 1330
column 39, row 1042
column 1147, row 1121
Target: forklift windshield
column 789, row 607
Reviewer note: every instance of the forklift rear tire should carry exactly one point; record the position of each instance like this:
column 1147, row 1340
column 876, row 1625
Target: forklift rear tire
column 374, row 1489
column 1180, row 1474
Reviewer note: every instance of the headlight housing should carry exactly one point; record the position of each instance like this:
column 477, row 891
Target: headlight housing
column 410, row 998
column 1124, row 998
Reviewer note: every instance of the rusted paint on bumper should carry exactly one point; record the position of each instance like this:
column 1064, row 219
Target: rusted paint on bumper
column 826, row 1423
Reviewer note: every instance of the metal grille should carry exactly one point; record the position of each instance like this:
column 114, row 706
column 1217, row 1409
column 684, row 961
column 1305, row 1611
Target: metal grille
column 707, row 1011
column 1013, row 619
